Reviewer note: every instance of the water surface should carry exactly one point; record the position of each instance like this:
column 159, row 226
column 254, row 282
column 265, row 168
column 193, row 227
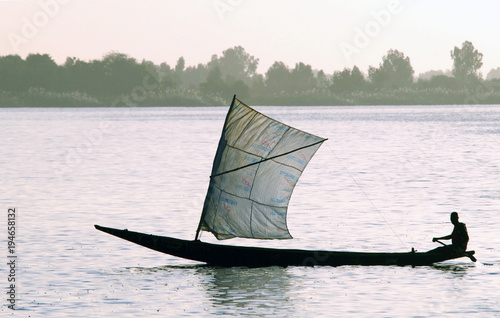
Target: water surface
column 386, row 180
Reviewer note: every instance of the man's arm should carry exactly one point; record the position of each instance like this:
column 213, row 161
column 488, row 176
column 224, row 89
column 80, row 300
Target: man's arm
column 447, row 237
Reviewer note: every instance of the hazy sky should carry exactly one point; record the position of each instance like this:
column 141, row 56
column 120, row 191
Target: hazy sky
column 328, row 34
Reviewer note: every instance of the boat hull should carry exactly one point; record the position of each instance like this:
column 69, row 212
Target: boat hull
column 228, row 255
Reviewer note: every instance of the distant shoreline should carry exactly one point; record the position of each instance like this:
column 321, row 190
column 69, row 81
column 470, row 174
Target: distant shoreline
column 118, row 80
column 397, row 97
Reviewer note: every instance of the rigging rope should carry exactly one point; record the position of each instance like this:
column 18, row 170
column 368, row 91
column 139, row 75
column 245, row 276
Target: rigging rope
column 364, row 193
column 266, row 159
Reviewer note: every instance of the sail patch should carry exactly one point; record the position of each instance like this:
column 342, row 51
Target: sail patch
column 226, row 200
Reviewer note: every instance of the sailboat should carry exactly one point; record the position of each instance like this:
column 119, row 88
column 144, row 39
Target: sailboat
column 256, row 167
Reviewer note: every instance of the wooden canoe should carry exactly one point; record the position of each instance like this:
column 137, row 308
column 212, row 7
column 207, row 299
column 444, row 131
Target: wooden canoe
column 229, row 255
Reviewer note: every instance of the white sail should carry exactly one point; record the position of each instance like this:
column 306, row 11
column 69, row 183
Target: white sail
column 258, row 162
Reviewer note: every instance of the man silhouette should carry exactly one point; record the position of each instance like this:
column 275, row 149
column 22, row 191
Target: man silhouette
column 459, row 237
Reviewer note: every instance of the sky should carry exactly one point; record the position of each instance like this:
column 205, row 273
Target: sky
column 327, row 34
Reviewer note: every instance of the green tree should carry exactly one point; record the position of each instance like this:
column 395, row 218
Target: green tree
column 12, row 68
column 240, row 89
column 168, row 76
column 181, row 64
column 321, row 80
column 121, row 73
column 348, row 80
column 277, row 78
column 235, row 64
column 302, row 78
column 215, row 83
column 466, row 63
column 395, row 71
column 84, row 76
column 193, row 76
column 41, row 71
column 258, row 85
column 358, row 79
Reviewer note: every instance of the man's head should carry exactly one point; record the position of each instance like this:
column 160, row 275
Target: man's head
column 454, row 217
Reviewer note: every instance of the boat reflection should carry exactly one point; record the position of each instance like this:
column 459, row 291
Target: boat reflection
column 457, row 269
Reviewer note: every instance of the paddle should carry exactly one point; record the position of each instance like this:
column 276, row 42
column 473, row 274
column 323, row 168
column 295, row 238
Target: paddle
column 468, row 254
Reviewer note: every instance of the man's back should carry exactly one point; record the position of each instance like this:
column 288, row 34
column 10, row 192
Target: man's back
column 460, row 237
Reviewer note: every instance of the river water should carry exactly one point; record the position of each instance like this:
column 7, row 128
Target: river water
column 386, row 181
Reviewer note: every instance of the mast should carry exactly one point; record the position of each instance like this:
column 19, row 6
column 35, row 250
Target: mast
column 198, row 229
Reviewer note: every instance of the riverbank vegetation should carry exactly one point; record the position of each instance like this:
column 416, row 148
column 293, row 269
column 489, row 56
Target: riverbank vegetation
column 120, row 80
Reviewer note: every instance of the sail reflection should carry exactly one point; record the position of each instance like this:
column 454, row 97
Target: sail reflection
column 248, row 291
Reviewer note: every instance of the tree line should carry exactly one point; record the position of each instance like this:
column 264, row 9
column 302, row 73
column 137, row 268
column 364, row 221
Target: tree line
column 120, row 80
